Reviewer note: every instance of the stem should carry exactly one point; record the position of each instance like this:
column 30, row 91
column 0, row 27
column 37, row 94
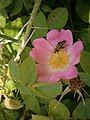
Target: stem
column 28, row 29
column 20, row 32
column 23, row 45
column 24, row 114
column 32, row 18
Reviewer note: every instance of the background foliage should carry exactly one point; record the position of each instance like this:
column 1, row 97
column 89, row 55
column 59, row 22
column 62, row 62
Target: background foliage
column 27, row 99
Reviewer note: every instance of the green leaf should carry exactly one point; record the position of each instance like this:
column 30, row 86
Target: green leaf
column 13, row 69
column 27, row 4
column 70, row 103
column 15, row 7
column 85, row 36
column 3, row 15
column 12, row 28
column 28, row 71
column 82, row 112
column 7, row 38
column 22, row 88
column 6, row 114
column 52, row 89
column 31, row 102
column 58, row 18
column 85, row 61
column 85, row 77
column 40, row 117
column 1, row 114
column 83, row 10
column 41, row 25
column 46, row 8
column 25, row 53
column 58, row 110
column 4, row 3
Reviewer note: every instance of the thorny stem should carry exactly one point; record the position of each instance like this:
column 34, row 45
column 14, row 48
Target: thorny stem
column 29, row 28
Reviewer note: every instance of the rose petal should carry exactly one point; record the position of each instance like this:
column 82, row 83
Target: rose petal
column 43, row 73
column 75, row 51
column 41, row 51
column 67, row 36
column 71, row 72
column 68, row 73
column 39, row 56
column 43, row 69
column 53, row 37
column 42, row 43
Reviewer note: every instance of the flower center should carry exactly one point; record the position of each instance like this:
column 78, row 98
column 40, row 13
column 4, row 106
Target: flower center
column 58, row 60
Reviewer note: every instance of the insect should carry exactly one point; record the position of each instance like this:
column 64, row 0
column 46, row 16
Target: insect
column 59, row 46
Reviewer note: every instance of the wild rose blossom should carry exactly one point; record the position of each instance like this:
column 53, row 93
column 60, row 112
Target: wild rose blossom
column 55, row 63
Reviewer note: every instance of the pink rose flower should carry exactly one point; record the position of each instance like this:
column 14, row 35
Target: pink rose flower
column 56, row 56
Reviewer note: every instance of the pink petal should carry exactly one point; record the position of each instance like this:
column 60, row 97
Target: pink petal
column 41, row 51
column 68, row 73
column 71, row 72
column 75, row 51
column 42, row 43
column 43, row 69
column 53, row 37
column 67, row 36
column 46, row 75
column 43, row 73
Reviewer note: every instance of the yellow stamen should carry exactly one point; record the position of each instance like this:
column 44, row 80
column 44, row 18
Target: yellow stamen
column 58, row 60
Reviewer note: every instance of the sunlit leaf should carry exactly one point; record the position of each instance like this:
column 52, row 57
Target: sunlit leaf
column 12, row 28
column 3, row 15
column 40, row 117
column 58, row 110
column 7, row 38
column 10, row 84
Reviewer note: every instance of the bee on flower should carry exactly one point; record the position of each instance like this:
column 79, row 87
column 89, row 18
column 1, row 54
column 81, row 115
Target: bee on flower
column 56, row 56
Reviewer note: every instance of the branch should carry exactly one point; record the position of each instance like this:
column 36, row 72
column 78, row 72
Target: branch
column 32, row 18
column 28, row 29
